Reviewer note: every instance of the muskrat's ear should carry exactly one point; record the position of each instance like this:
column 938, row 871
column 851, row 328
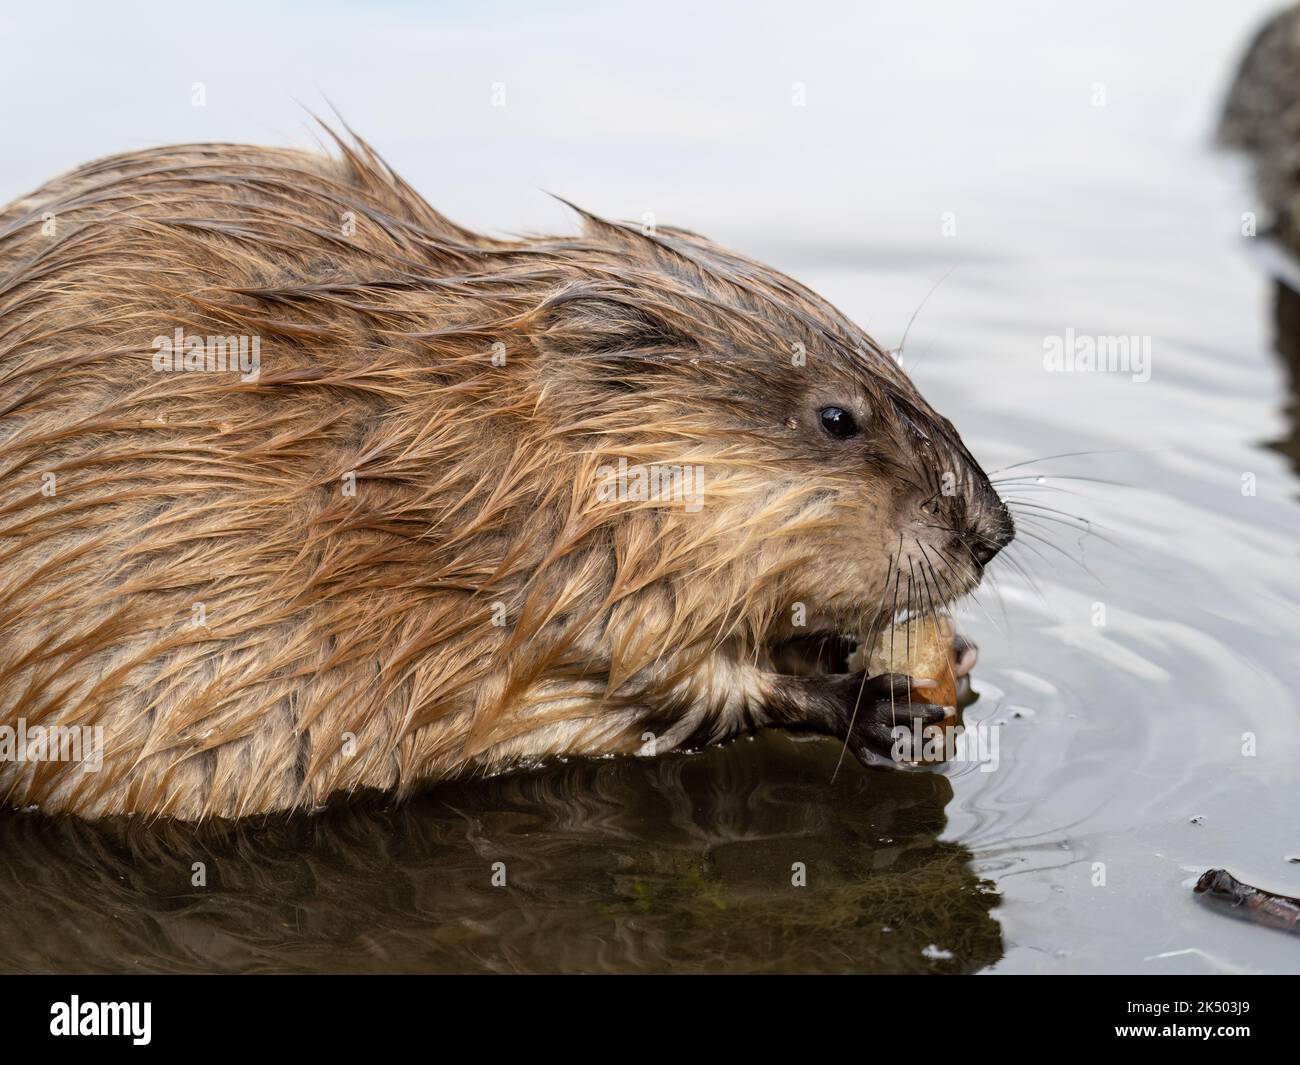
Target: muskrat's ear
column 606, row 336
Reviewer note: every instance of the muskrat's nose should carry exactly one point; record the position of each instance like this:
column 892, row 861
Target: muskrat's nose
column 990, row 534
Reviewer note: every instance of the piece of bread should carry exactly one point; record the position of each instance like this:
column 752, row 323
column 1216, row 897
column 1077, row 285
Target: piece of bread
column 922, row 648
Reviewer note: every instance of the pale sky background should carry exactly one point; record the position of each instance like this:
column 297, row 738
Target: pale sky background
column 681, row 109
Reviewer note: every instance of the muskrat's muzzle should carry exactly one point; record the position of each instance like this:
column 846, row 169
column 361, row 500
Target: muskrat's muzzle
column 992, row 530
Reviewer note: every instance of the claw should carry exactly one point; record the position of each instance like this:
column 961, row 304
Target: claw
column 964, row 656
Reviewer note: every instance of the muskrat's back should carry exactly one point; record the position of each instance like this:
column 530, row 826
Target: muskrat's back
column 200, row 562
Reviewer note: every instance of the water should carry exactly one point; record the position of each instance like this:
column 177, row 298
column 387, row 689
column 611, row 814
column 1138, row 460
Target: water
column 1122, row 773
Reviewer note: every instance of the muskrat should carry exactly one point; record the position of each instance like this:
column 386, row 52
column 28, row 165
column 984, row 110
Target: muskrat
column 307, row 489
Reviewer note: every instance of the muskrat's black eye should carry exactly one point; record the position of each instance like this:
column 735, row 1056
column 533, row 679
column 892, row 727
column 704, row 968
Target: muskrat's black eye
column 838, row 422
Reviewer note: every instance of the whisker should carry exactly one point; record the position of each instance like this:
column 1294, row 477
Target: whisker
column 1039, row 535
column 873, row 635
column 1055, row 510
column 1077, row 454
column 1021, row 569
column 952, row 568
column 1039, row 480
column 919, row 307
column 1024, row 509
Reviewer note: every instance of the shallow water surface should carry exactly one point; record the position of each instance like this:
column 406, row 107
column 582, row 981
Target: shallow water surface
column 1138, row 651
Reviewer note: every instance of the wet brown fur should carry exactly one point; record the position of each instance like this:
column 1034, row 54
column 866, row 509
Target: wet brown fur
column 252, row 636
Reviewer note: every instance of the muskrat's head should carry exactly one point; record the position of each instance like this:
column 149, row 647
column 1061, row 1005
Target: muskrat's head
column 777, row 474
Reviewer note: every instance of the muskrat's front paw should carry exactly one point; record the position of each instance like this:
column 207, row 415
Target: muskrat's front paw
column 881, row 704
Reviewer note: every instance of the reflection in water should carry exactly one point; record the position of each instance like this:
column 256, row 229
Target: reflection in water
column 1259, row 120
column 1286, row 317
column 682, row 863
